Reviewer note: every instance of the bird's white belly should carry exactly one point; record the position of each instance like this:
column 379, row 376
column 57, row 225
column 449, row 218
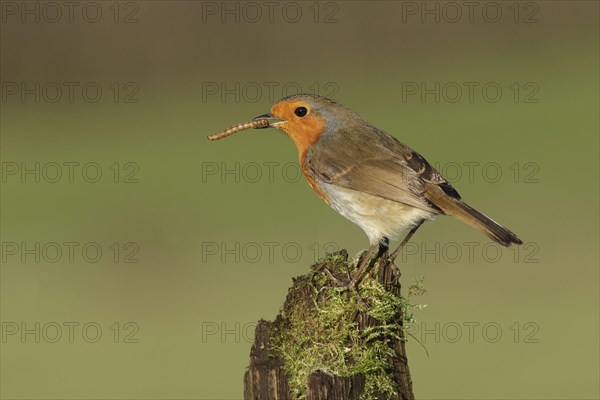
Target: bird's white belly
column 377, row 216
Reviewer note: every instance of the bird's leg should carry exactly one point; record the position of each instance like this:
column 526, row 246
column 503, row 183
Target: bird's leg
column 363, row 266
column 333, row 278
column 384, row 246
column 357, row 275
column 365, row 263
column 404, row 241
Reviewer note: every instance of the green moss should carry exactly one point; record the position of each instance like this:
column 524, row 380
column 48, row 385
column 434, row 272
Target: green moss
column 323, row 335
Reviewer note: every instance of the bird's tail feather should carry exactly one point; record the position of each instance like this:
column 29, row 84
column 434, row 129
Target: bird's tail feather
column 471, row 216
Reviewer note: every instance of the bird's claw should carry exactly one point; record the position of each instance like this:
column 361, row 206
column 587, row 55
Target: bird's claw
column 351, row 285
column 333, row 278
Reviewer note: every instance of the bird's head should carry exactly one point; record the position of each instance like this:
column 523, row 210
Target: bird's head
column 304, row 118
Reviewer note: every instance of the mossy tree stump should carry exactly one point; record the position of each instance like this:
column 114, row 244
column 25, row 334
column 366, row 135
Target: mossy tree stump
column 325, row 344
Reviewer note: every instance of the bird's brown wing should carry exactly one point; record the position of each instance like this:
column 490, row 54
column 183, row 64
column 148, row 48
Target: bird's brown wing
column 374, row 162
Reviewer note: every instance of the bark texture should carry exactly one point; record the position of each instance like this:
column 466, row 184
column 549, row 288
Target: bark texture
column 267, row 377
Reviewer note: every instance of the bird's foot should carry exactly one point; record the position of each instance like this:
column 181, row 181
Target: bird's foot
column 350, row 285
column 392, row 262
column 333, row 278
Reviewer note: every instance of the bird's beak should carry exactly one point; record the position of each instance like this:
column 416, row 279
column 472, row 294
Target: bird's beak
column 272, row 124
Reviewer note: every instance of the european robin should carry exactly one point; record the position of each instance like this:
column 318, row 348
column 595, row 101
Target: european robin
column 367, row 175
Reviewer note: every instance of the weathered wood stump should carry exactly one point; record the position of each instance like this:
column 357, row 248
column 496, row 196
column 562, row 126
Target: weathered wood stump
column 327, row 344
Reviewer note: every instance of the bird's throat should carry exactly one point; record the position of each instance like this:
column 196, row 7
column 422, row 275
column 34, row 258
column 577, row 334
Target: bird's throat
column 305, row 134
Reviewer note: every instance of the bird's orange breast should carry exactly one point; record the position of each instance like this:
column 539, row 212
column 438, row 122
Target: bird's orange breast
column 312, row 182
column 304, row 134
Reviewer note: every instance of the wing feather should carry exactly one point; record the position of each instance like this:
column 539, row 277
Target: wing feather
column 374, row 162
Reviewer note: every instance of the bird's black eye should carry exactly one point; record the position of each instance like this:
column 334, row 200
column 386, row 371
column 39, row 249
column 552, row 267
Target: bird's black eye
column 301, row 111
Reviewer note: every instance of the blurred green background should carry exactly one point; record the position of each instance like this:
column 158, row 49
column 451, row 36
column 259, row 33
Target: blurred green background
column 217, row 249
